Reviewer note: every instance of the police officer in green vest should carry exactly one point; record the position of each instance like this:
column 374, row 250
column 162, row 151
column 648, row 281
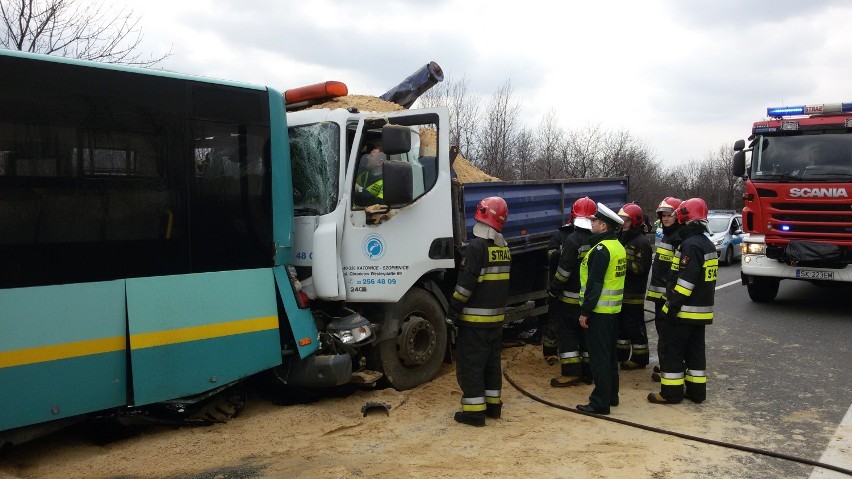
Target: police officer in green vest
column 602, row 274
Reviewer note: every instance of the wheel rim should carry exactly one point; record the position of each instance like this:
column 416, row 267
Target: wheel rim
column 416, row 341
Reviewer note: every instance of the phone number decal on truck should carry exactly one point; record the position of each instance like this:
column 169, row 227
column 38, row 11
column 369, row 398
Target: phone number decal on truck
column 359, row 277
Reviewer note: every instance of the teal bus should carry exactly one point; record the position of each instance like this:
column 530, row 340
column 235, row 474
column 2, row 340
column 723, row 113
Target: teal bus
column 145, row 229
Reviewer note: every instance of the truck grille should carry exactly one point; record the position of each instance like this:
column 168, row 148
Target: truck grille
column 811, row 221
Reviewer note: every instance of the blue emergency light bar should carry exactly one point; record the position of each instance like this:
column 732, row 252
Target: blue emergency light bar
column 782, row 111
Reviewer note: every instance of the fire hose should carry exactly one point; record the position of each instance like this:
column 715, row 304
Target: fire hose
column 729, row 445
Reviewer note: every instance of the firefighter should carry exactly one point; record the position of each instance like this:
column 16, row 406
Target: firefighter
column 602, row 275
column 662, row 263
column 688, row 309
column 632, row 345
column 565, row 298
column 477, row 308
column 549, row 342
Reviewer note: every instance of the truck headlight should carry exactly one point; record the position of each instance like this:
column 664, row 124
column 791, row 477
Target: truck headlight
column 351, row 330
column 754, row 248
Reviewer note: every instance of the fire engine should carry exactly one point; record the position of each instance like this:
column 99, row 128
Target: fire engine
column 797, row 209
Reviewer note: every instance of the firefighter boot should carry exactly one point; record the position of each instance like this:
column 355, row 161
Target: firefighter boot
column 471, row 418
column 655, row 376
column 564, row 381
column 549, row 350
column 493, row 410
column 657, row 398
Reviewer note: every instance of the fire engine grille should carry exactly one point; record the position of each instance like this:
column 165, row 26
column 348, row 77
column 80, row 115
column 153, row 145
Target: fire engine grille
column 812, row 221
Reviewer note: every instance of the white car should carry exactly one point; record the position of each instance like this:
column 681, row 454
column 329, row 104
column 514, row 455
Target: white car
column 726, row 233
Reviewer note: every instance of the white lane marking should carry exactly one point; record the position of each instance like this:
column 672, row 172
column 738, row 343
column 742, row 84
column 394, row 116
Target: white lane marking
column 838, row 452
column 728, row 284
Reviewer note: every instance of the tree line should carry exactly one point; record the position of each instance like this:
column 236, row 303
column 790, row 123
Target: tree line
column 490, row 134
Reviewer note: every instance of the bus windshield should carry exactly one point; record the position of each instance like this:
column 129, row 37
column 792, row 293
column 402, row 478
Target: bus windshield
column 824, row 157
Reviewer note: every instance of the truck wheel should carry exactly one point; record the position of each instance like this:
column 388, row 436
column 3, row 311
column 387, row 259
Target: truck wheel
column 729, row 256
column 762, row 289
column 414, row 356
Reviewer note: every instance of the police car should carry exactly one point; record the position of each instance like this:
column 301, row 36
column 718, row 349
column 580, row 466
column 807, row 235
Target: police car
column 726, row 233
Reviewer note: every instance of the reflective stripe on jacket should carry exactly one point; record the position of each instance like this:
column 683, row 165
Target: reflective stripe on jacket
column 483, row 284
column 692, row 286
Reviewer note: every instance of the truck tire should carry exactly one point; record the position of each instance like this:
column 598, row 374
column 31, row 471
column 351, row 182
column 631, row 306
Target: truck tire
column 762, row 289
column 415, row 354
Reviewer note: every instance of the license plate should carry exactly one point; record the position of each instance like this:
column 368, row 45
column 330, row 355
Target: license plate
column 811, row 274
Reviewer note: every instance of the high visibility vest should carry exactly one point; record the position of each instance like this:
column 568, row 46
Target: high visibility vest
column 613, row 284
column 376, row 188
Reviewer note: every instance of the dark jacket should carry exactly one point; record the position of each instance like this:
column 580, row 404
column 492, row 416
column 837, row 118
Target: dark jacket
column 639, row 255
column 662, row 264
column 692, row 284
column 565, row 280
column 482, row 289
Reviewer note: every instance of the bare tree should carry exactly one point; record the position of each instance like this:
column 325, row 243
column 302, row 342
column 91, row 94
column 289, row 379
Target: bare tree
column 524, row 156
column 550, row 139
column 74, row 29
column 464, row 111
column 498, row 132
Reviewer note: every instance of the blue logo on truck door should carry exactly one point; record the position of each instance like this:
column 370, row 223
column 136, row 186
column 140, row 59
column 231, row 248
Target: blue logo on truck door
column 374, row 247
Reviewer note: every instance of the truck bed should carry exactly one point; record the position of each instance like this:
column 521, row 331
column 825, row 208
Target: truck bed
column 536, row 211
column 538, row 208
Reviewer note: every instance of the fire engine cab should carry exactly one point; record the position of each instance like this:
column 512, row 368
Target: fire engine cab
column 797, row 207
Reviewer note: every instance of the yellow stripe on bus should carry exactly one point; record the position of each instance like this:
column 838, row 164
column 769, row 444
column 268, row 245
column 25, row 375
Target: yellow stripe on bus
column 207, row 331
column 20, row 357
column 53, row 352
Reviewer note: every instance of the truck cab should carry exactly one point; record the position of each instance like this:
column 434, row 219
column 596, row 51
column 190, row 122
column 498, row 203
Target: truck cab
column 379, row 254
column 796, row 209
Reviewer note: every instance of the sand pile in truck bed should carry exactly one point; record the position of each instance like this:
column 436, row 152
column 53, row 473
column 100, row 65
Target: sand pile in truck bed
column 465, row 171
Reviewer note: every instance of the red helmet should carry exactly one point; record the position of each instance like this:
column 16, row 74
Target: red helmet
column 492, row 211
column 633, row 212
column 668, row 205
column 584, row 207
column 693, row 209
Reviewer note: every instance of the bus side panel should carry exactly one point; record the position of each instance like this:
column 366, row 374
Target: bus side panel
column 192, row 333
column 62, row 351
column 301, row 321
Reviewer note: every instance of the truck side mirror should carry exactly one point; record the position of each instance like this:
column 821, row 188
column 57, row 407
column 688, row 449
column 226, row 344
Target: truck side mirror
column 739, row 145
column 396, row 139
column 738, row 164
column 398, row 182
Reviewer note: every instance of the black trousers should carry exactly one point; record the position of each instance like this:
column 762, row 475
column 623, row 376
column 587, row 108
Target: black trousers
column 478, row 366
column 683, row 361
column 572, row 339
column 547, row 324
column 601, row 337
column 632, row 334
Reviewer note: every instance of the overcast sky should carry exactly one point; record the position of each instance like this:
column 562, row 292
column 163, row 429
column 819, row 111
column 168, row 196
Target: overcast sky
column 686, row 77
